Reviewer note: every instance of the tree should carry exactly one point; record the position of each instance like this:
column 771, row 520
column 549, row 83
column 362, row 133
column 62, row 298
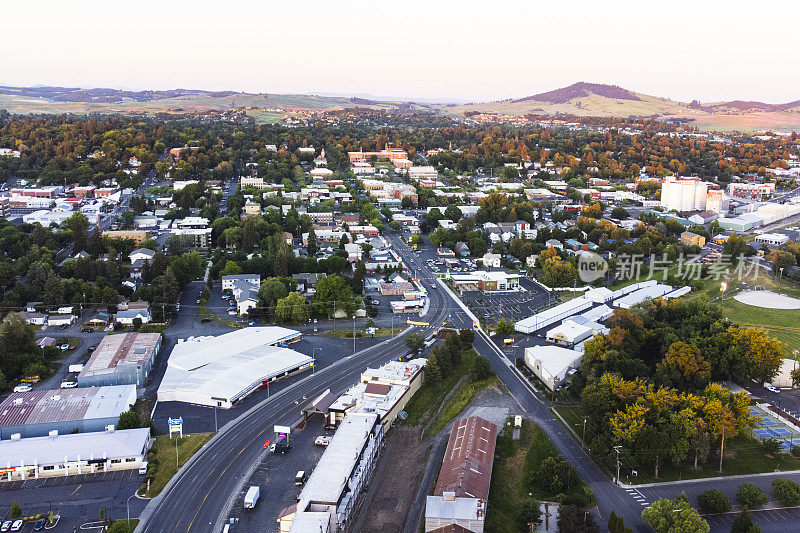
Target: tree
column 16, row 511
column 232, row 268
column 616, row 524
column 771, row 446
column 575, row 519
column 555, row 474
column 78, row 224
column 713, row 501
column 293, row 308
column 433, row 373
column 453, row 213
column 466, row 337
column 311, row 247
column 415, row 341
column 504, row 327
column 129, row 420
column 3, row 381
column 333, row 294
column 558, row 273
column 481, row 369
column 683, row 367
column 751, row 496
column 786, row 491
column 674, row 516
column 744, row 523
column 759, row 356
column 619, row 213
column 529, row 514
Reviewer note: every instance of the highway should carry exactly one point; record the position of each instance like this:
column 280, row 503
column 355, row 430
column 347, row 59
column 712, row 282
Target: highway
column 203, row 488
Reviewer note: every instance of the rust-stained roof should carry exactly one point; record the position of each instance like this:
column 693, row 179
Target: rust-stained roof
column 43, row 406
column 119, row 349
column 451, row 528
column 467, row 464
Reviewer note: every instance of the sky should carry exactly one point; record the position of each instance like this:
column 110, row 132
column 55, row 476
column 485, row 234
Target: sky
column 460, row 50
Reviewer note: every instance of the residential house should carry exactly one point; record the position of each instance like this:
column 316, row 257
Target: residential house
column 128, row 316
column 144, row 254
column 491, row 260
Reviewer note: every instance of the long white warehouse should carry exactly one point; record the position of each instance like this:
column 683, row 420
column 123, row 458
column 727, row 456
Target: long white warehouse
column 219, row 371
column 553, row 315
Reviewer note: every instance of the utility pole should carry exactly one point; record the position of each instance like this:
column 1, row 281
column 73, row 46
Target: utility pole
column 722, row 447
column 354, row 334
column 617, row 449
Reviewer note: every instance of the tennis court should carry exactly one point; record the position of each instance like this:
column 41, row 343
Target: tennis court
column 772, row 432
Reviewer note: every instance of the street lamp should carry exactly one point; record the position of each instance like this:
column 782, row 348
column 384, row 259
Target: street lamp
column 313, row 363
column 617, row 449
column 354, row 334
column 128, row 507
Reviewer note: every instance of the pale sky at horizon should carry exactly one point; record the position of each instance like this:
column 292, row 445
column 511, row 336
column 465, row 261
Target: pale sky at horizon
column 467, row 50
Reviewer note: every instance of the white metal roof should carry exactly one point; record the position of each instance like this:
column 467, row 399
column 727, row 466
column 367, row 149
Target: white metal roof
column 121, row 444
column 230, row 365
column 553, row 359
column 638, row 296
column 552, row 315
column 328, row 481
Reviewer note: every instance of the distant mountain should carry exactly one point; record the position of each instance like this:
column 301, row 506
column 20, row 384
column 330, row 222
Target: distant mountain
column 579, row 90
column 601, row 100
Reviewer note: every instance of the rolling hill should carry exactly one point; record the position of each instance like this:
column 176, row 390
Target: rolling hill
column 595, row 99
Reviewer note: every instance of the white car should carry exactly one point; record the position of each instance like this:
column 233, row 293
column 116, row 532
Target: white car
column 772, row 389
column 17, row 525
column 64, row 347
column 23, row 388
column 6, row 525
column 69, row 384
column 323, row 440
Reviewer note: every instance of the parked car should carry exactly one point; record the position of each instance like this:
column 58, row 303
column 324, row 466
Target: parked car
column 280, row 447
column 65, row 347
column 205, row 320
column 6, row 525
column 143, row 468
column 300, row 478
column 87, row 330
column 68, row 384
column 39, row 525
column 23, row 388
column 323, row 440
column 772, row 389
column 17, row 525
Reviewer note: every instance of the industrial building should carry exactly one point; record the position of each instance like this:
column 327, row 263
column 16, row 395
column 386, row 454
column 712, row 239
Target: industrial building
column 330, row 495
column 772, row 239
column 219, row 371
column 640, row 295
column 553, row 315
column 384, row 391
column 462, row 488
column 71, row 454
column 684, row 194
column 40, row 412
column 551, row 364
column 121, row 360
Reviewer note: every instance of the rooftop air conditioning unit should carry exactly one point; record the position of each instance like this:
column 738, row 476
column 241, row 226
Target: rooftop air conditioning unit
column 53, row 433
column 110, row 427
column 16, row 436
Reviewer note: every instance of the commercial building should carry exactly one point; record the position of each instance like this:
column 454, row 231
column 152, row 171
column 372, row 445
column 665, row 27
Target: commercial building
column 331, row 493
column 772, row 239
column 551, row 363
column 751, row 190
column 717, row 201
column 121, row 359
column 220, row 371
column 138, row 236
column 640, row 295
column 692, row 239
column 553, row 315
column 683, row 194
column 384, row 391
column 462, row 488
column 40, row 412
column 487, row 281
column 71, row 454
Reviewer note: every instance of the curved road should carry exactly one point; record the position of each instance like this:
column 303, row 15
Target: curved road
column 199, row 493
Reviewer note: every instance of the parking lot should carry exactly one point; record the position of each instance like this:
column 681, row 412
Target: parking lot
column 275, row 477
column 77, row 499
column 769, row 520
column 514, row 306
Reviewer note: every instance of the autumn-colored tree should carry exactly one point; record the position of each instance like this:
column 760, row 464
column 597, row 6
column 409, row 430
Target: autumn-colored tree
column 759, row 356
column 684, row 367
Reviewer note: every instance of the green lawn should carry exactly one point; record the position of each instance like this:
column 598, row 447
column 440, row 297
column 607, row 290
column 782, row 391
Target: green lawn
column 348, row 333
column 162, row 459
column 513, row 476
column 743, row 455
column 460, row 399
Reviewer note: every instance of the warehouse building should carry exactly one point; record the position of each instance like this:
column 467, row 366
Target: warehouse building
column 220, row 371
column 71, row 454
column 384, row 391
column 330, row 495
column 551, row 364
column 462, row 488
column 38, row 413
column 124, row 359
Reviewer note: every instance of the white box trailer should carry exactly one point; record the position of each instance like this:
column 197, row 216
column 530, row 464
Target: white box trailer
column 76, row 368
column 251, row 498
